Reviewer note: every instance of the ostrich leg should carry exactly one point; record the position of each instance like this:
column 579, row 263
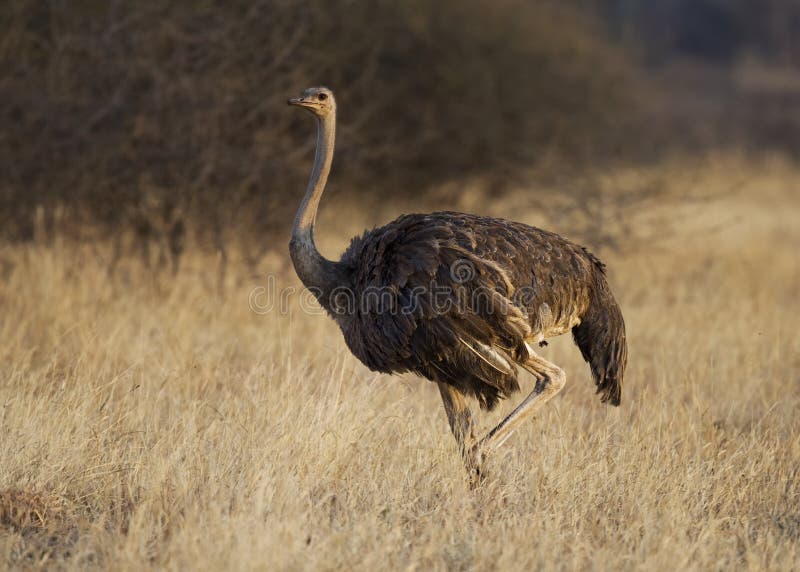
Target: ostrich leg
column 550, row 379
column 460, row 418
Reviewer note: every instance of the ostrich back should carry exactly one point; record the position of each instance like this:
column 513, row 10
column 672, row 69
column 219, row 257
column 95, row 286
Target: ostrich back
column 455, row 297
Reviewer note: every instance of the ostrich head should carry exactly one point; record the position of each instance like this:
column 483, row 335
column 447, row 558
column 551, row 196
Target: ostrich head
column 318, row 100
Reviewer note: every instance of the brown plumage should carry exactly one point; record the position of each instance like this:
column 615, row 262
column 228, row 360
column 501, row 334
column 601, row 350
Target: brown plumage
column 519, row 283
column 460, row 299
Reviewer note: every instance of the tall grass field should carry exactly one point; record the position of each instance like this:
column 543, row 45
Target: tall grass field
column 159, row 421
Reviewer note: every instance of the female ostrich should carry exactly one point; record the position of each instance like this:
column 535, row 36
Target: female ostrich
column 460, row 299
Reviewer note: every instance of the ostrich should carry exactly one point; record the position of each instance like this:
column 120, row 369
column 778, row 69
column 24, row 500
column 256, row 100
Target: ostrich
column 461, row 300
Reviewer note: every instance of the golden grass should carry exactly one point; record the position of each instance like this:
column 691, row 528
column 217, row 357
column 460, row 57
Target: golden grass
column 166, row 425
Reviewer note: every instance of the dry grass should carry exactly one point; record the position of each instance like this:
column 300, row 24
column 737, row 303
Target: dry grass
column 162, row 424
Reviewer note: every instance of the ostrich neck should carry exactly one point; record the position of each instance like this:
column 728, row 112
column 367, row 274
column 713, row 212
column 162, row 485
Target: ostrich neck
column 314, row 270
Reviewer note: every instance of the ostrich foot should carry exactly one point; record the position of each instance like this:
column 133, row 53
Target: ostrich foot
column 475, row 463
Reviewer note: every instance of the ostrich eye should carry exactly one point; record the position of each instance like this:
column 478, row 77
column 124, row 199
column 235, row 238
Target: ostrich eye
column 323, row 96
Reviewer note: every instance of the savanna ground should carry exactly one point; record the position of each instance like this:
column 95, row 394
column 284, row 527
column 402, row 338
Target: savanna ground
column 151, row 421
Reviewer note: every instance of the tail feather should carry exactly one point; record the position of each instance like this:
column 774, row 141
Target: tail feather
column 601, row 339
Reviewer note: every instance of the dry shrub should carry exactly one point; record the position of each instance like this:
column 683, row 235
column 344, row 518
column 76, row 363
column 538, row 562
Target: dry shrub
column 23, row 510
column 107, row 104
column 39, row 527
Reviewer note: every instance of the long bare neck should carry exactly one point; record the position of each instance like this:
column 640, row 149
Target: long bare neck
column 315, row 270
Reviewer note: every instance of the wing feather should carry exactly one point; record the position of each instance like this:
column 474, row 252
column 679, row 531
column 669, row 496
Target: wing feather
column 466, row 331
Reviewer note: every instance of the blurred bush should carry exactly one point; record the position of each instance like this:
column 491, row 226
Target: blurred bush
column 150, row 115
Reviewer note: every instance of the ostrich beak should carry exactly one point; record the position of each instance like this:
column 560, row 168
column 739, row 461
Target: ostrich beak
column 303, row 102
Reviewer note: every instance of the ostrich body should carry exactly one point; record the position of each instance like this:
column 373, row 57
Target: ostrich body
column 461, row 300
